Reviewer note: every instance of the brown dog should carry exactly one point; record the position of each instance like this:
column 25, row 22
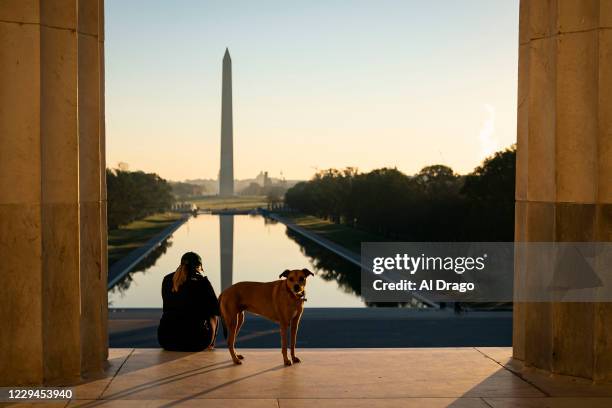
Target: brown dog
column 281, row 301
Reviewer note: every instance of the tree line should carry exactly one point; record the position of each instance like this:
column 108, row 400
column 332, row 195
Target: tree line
column 185, row 191
column 435, row 204
column 133, row 195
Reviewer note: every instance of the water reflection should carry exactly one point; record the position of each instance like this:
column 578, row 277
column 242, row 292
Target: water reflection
column 347, row 275
column 241, row 248
column 330, row 266
column 150, row 260
column 259, row 250
column 226, row 240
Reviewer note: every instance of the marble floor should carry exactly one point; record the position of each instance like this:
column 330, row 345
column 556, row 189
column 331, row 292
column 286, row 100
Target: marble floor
column 408, row 377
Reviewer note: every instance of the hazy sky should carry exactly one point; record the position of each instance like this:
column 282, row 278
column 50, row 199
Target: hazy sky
column 317, row 84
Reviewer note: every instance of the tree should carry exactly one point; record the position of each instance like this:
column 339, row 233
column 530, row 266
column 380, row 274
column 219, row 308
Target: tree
column 184, row 191
column 274, row 196
column 435, row 204
column 489, row 192
column 135, row 195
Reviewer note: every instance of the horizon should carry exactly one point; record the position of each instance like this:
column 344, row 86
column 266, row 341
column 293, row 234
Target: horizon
column 272, row 177
column 348, row 75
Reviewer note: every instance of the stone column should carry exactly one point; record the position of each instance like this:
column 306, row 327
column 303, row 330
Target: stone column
column 564, row 172
column 52, row 212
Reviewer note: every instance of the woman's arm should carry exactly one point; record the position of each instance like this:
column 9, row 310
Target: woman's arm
column 211, row 303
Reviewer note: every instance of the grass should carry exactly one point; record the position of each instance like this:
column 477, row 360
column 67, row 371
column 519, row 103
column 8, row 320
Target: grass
column 348, row 237
column 125, row 239
column 238, row 203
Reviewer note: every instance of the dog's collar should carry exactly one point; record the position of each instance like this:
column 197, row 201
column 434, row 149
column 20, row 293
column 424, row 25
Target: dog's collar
column 301, row 296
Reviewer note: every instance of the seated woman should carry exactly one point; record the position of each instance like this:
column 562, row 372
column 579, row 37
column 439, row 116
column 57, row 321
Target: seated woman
column 189, row 321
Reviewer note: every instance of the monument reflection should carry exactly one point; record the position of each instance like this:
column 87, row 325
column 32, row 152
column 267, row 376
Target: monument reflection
column 226, row 249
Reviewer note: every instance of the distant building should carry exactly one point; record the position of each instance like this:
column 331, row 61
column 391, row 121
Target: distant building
column 123, row 166
column 262, row 179
column 266, row 180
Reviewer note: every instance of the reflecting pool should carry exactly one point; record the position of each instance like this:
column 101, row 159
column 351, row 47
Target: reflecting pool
column 238, row 248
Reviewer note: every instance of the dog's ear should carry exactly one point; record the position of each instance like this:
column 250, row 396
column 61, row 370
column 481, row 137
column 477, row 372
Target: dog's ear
column 284, row 274
column 307, row 272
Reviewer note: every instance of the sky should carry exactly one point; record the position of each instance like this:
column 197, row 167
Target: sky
column 316, row 84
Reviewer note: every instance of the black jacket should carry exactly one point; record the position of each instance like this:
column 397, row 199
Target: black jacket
column 184, row 323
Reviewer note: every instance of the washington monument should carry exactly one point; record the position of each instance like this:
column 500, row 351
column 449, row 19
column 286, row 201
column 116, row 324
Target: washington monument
column 226, row 172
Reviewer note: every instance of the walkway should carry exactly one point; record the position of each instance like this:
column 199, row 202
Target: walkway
column 339, row 250
column 443, row 377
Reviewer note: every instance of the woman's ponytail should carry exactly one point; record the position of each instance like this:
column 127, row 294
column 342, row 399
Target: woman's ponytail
column 190, row 261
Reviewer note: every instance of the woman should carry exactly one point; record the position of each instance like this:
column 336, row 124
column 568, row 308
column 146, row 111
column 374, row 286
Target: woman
column 189, row 321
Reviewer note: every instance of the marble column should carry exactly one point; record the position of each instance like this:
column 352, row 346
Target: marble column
column 564, row 172
column 52, row 192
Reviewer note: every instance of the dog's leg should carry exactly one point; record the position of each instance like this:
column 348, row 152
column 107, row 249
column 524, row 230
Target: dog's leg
column 231, row 340
column 283, row 333
column 295, row 322
column 240, row 321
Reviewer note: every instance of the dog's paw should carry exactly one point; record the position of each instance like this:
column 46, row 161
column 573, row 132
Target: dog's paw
column 296, row 360
column 237, row 362
column 240, row 356
column 288, row 362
